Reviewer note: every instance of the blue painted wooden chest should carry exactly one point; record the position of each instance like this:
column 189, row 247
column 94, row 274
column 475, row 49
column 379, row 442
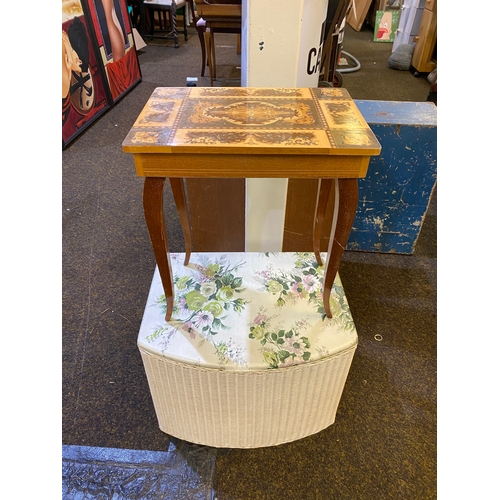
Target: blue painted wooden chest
column 395, row 195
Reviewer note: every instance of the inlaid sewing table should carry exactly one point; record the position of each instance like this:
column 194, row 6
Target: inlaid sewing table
column 245, row 132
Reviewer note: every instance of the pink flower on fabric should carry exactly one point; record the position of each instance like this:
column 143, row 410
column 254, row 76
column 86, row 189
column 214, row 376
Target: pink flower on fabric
column 202, row 319
column 291, row 348
column 183, row 308
column 299, row 289
column 266, row 275
column 188, row 328
column 310, row 282
column 259, row 319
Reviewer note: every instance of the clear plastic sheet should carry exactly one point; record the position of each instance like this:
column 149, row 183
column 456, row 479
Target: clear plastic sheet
column 184, row 471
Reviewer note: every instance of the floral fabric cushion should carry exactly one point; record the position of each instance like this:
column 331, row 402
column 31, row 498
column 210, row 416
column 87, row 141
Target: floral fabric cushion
column 246, row 311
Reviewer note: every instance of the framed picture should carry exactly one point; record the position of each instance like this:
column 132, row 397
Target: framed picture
column 114, row 38
column 386, row 24
column 84, row 90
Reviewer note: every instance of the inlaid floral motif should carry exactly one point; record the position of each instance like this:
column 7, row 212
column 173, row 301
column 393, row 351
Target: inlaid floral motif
column 145, row 137
column 221, row 91
column 251, row 138
column 342, row 114
column 328, row 93
column 353, row 138
column 277, row 92
column 253, row 113
column 259, row 113
column 218, row 137
column 158, row 112
column 170, row 92
column 287, row 138
column 317, row 119
column 248, row 91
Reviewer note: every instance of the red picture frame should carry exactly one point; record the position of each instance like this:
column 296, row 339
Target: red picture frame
column 84, row 89
column 115, row 42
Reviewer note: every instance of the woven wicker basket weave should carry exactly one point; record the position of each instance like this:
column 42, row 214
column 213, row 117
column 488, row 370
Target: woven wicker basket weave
column 247, row 409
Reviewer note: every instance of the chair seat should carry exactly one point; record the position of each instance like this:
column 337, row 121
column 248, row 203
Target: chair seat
column 167, row 3
column 167, row 19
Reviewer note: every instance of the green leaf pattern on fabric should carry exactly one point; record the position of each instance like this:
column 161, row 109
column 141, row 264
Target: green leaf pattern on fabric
column 202, row 300
column 210, row 291
column 304, row 282
column 280, row 347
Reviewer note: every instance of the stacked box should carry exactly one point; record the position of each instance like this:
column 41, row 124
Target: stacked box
column 396, row 192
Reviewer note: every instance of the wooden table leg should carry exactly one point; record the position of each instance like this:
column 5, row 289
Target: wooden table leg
column 179, row 192
column 346, row 203
column 152, row 200
column 324, row 189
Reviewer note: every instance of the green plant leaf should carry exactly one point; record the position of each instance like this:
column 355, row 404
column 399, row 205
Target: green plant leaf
column 283, row 355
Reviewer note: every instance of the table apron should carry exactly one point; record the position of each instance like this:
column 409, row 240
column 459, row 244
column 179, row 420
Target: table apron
column 251, row 166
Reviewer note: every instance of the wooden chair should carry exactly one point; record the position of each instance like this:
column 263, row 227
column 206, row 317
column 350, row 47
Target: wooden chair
column 201, row 26
column 163, row 13
column 216, row 16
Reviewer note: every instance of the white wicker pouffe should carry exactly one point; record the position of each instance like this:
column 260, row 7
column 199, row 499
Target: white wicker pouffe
column 249, row 358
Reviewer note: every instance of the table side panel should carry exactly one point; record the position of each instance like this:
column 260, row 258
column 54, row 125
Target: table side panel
column 217, row 211
column 250, row 166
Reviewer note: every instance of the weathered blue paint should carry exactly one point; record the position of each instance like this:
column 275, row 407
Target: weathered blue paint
column 395, row 194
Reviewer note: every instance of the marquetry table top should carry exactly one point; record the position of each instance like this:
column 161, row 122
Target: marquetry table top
column 251, row 120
